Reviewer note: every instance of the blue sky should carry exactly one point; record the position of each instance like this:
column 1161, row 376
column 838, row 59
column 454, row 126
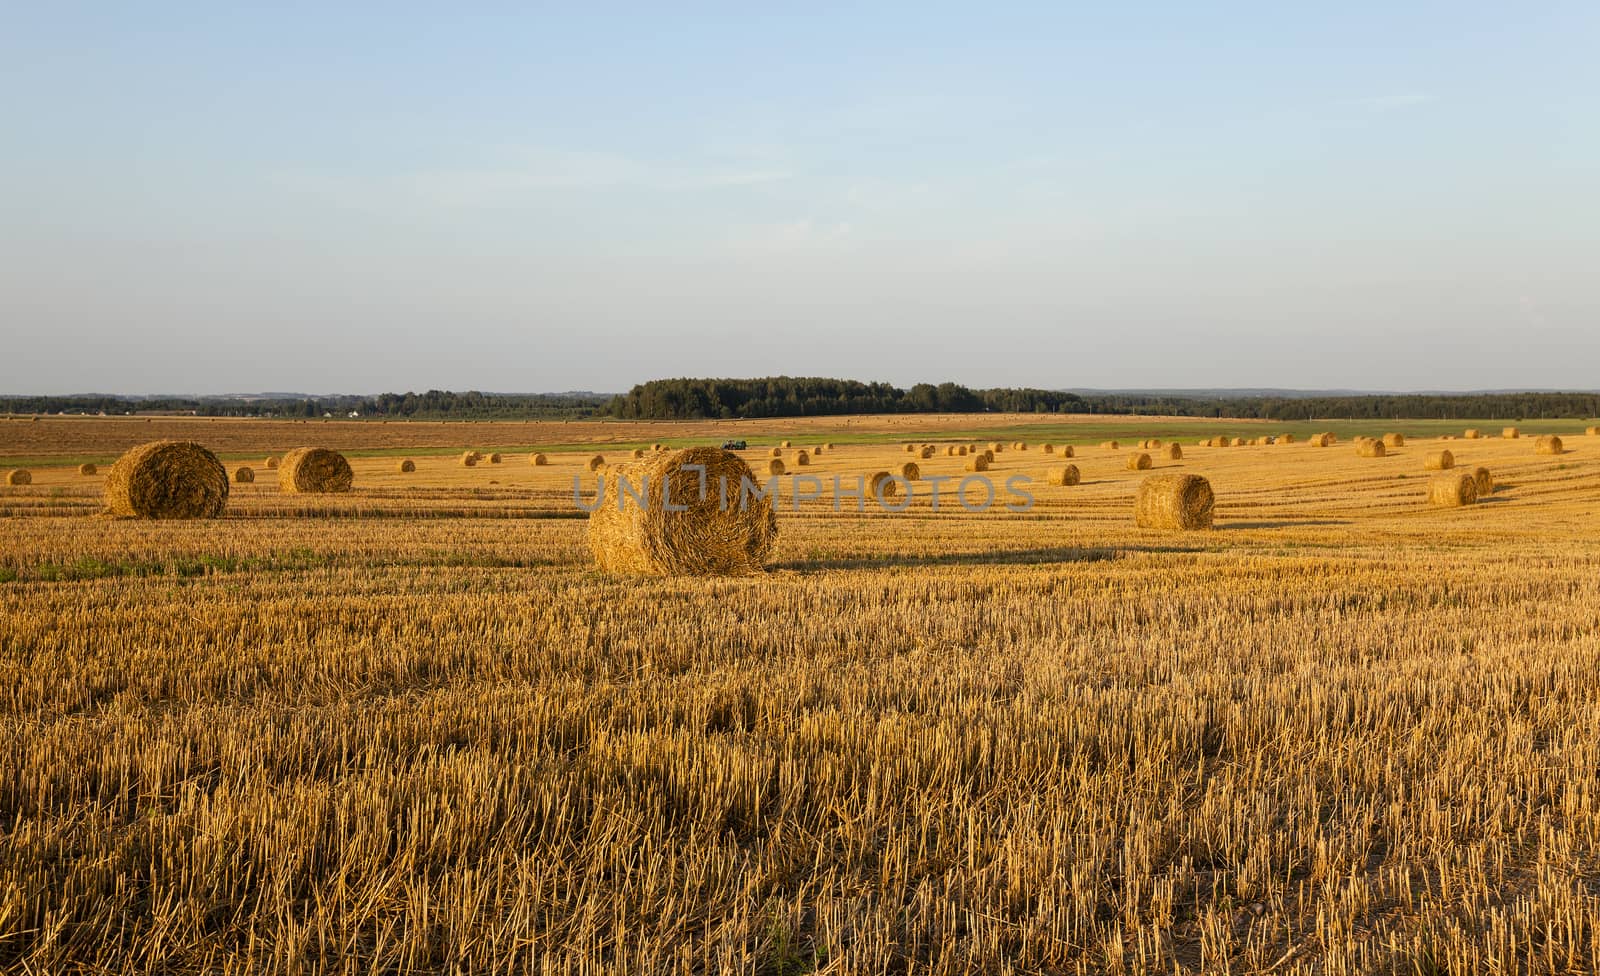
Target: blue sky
column 210, row 198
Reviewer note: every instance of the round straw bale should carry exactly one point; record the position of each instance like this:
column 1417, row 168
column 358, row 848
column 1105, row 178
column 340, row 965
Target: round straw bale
column 1318, row 440
column 494, row 459
column 636, row 453
column 1174, row 501
column 988, row 456
column 1548, row 444
column 538, row 460
column 713, row 535
column 1439, row 461
column 1453, row 490
column 596, row 463
column 827, row 447
column 1472, row 433
column 785, row 445
column 87, row 469
column 1065, row 476
column 776, row 452
column 1285, row 438
column 996, row 447
column 1066, row 451
column 655, row 447
column 315, row 470
column 927, row 452
column 1110, row 445
column 1394, row 440
column 978, row 462
column 1484, row 481
column 406, row 466
column 469, row 460
column 801, row 459
column 1140, row 461
column 775, row 466
column 1592, row 431
column 1511, row 433
column 1221, row 442
column 1020, row 446
column 1368, row 448
column 271, row 464
column 167, row 480
column 911, row 448
column 882, row 485
column 1047, row 448
column 243, row 475
column 950, row 450
column 1238, row 442
column 19, row 476
column 910, row 471
column 1172, row 452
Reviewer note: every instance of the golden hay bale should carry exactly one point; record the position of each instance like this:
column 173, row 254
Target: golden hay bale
column 1172, row 452
column 655, row 447
column 271, row 464
column 978, row 462
column 315, row 470
column 477, row 455
column 1285, row 438
column 1110, row 445
column 494, row 459
column 1064, row 477
column 996, row 448
column 1439, row 461
column 708, row 537
column 910, row 471
column 927, row 452
column 1453, row 490
column 1140, row 462
column 1047, row 448
column 776, row 452
column 827, row 447
column 1174, row 501
column 1020, row 446
column 988, row 456
column 469, row 460
column 87, row 469
column 785, row 445
column 1592, row 431
column 1472, row 433
column 1066, row 451
column 961, row 450
column 1394, row 440
column 243, row 475
column 801, row 459
column 1238, row 442
column 538, row 460
column 1368, row 448
column 1484, row 481
column 406, row 466
column 911, row 448
column 1548, row 444
column 19, row 476
column 882, row 485
column 596, row 463
column 636, row 453
column 775, row 466
column 950, row 450
column 1318, row 440
column 167, row 480
column 1511, row 433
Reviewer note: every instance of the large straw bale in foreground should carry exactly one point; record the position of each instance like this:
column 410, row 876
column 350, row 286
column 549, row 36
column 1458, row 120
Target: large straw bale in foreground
column 167, row 480
column 1453, row 490
column 710, row 537
column 1548, row 444
column 1174, row 501
column 314, row 470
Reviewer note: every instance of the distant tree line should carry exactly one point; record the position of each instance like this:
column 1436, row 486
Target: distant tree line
column 785, row 396
column 434, row 404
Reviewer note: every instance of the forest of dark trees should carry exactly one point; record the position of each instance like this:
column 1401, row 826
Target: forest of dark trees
column 784, row 396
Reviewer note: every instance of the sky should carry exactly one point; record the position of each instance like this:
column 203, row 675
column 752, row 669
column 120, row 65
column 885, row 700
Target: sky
column 221, row 197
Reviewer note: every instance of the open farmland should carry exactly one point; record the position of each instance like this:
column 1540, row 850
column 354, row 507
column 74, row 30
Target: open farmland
column 411, row 729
